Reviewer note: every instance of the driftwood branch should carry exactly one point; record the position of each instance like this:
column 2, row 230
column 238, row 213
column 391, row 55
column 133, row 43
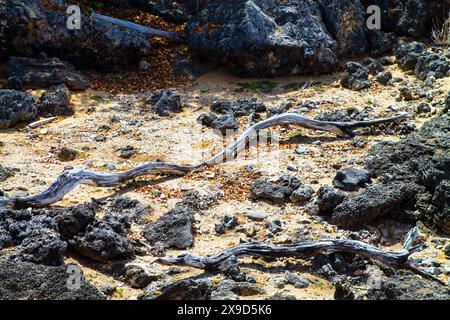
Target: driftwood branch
column 228, row 258
column 395, row 259
column 172, row 36
column 71, row 178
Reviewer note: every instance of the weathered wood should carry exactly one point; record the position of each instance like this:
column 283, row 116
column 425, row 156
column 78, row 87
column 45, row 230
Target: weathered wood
column 41, row 122
column 341, row 129
column 397, row 259
column 71, row 178
column 228, row 258
column 172, row 36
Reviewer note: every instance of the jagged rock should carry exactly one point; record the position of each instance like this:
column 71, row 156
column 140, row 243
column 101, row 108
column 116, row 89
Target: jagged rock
column 274, row 37
column 24, row 280
column 408, row 54
column 380, row 42
column 226, row 223
column 413, row 160
column 343, row 291
column 55, row 102
column 16, row 106
column 282, row 296
column 297, row 281
column 439, row 212
column 346, row 22
column 199, row 199
column 356, row 77
column 423, row 108
column 278, row 191
column 207, row 119
column 238, row 108
column 104, row 240
column 351, row 179
column 263, row 38
column 328, row 198
column 432, row 65
column 225, row 124
column 414, row 56
column 384, row 77
column 173, row 230
column 341, row 115
column 173, row 11
column 136, row 276
column 131, row 209
column 166, row 102
column 28, row 28
column 36, row 237
column 302, row 194
column 410, row 18
column 408, row 287
column 231, row 290
column 73, row 220
column 186, row 289
column 372, row 65
column 373, row 202
column 43, row 72
column 44, row 247
column 126, row 152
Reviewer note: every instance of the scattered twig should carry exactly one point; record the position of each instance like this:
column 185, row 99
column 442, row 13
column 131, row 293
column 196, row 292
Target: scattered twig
column 39, row 123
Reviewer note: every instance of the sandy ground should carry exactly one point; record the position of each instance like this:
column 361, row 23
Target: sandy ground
column 32, row 151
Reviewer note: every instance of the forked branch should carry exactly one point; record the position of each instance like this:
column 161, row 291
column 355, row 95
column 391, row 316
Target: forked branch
column 228, row 258
column 71, row 178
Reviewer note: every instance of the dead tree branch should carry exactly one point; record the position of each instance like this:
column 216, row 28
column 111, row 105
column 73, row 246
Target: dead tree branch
column 68, row 180
column 172, row 36
column 390, row 258
column 228, row 258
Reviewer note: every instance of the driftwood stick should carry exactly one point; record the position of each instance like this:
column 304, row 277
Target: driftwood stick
column 70, row 179
column 341, row 129
column 173, row 36
column 41, row 122
column 396, row 259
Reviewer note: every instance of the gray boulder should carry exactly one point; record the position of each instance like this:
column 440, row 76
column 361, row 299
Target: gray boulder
column 328, row 198
column 16, row 106
column 25, row 280
column 263, row 37
column 173, row 230
column 351, row 179
column 28, row 29
column 408, row 288
column 373, row 202
column 44, row 72
column 55, row 102
column 104, row 240
column 239, row 108
column 166, row 102
column 356, row 77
